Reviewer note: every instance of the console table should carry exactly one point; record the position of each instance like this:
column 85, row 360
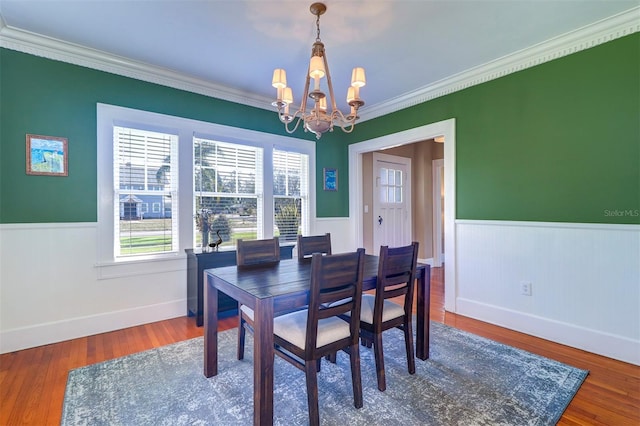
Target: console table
column 197, row 262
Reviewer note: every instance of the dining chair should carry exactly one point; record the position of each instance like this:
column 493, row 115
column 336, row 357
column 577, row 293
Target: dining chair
column 252, row 252
column 304, row 337
column 396, row 278
column 313, row 244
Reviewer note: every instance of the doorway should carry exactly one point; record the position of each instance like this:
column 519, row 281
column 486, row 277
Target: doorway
column 444, row 128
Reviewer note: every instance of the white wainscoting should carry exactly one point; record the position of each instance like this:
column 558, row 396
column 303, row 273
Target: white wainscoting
column 342, row 237
column 52, row 290
column 585, row 282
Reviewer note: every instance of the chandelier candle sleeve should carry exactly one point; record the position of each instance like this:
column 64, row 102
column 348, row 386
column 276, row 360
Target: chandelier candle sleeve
column 318, row 119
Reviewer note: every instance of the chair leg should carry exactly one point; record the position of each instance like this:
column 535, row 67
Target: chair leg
column 311, row 373
column 241, row 336
column 366, row 342
column 408, row 341
column 356, row 376
column 331, row 357
column 379, row 356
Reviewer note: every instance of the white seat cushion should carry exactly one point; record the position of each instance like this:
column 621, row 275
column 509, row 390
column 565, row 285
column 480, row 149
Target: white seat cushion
column 293, row 328
column 247, row 310
column 390, row 309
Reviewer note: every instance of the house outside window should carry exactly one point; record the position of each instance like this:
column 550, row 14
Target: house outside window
column 164, row 170
column 144, row 168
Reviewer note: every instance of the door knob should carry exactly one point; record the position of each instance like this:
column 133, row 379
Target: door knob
column 380, row 220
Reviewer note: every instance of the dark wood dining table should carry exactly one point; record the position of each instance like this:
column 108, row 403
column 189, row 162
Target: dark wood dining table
column 279, row 287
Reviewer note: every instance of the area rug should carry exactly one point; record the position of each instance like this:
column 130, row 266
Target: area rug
column 468, row 380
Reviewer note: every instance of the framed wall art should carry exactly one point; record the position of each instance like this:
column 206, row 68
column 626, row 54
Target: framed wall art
column 330, row 179
column 47, row 155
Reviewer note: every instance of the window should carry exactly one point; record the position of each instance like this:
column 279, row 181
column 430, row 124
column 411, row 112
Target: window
column 228, row 187
column 290, row 193
column 144, row 167
column 164, row 170
column 390, row 185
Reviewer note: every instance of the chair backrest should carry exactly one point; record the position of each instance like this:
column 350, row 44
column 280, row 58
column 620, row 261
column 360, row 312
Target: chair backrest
column 249, row 252
column 396, row 277
column 313, row 244
column 335, row 278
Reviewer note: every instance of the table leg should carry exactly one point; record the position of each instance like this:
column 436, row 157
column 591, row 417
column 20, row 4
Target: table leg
column 263, row 362
column 210, row 327
column 424, row 313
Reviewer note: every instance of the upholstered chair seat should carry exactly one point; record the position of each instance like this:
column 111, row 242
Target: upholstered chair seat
column 390, row 309
column 395, row 279
column 303, row 337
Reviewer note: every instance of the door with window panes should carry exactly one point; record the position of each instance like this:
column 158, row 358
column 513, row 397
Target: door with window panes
column 391, row 201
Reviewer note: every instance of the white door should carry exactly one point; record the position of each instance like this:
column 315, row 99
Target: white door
column 391, row 201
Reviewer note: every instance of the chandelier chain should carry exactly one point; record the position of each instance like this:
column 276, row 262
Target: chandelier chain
column 318, row 27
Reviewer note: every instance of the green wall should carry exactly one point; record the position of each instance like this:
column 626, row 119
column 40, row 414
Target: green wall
column 559, row 142
column 53, row 98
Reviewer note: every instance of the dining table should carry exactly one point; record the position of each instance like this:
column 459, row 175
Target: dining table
column 274, row 288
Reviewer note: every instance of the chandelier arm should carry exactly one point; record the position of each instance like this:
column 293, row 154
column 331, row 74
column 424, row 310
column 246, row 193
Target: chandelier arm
column 286, row 125
column 329, row 84
column 343, row 122
column 305, row 94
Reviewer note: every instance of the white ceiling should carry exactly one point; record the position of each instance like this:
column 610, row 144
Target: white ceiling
column 405, row 46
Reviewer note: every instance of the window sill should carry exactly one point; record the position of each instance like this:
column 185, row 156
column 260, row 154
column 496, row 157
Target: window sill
column 137, row 266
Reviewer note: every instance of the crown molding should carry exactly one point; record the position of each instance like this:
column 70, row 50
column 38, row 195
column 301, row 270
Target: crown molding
column 51, row 48
column 583, row 38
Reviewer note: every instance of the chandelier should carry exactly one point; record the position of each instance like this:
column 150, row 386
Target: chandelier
column 317, row 119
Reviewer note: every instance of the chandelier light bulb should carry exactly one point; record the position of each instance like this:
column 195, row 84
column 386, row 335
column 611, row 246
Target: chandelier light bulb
column 351, row 94
column 287, row 96
column 358, row 78
column 323, row 104
column 316, row 67
column 279, row 80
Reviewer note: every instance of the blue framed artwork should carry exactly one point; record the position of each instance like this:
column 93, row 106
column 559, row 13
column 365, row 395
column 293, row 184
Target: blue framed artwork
column 330, row 179
column 47, row 155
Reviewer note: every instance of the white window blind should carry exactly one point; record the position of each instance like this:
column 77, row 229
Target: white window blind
column 290, row 193
column 145, row 173
column 228, row 189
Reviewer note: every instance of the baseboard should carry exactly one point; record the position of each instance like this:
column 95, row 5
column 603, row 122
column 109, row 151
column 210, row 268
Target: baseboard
column 58, row 331
column 605, row 344
column 428, row 261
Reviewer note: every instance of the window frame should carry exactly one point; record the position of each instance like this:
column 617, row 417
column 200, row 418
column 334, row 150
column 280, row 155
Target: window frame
column 109, row 116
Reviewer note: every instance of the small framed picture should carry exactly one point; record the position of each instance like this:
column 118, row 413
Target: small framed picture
column 330, row 179
column 47, row 155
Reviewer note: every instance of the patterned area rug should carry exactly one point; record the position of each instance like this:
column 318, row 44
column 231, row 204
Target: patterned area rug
column 468, row 380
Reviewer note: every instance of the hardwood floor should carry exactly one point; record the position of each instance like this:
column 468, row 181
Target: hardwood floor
column 32, row 381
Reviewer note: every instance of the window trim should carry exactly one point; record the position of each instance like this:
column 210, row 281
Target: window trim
column 186, row 129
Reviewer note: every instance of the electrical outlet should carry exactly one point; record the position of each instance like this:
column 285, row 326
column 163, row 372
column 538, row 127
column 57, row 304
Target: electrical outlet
column 525, row 288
